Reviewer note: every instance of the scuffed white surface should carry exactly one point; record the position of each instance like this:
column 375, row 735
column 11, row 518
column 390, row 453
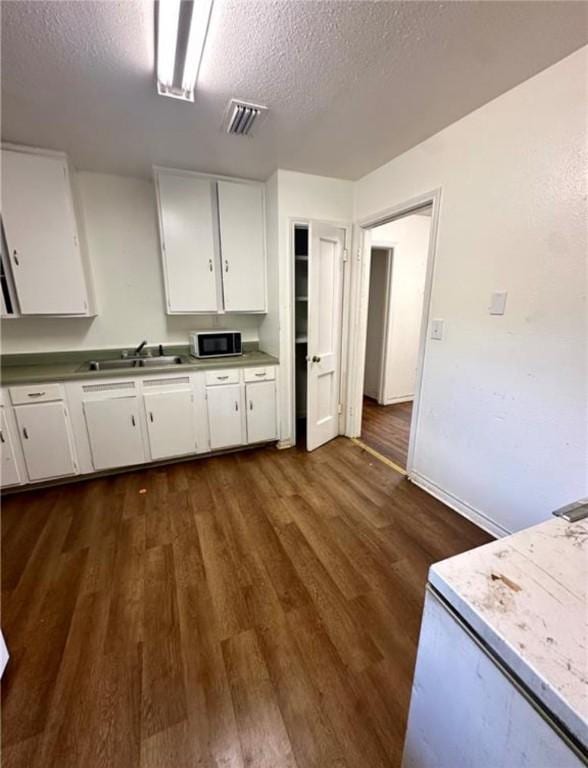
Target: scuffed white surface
column 525, row 595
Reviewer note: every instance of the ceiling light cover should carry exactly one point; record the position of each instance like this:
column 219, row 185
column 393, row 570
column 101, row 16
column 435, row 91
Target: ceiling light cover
column 182, row 26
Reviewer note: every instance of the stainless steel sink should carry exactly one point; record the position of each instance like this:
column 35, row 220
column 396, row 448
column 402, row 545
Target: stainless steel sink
column 132, row 362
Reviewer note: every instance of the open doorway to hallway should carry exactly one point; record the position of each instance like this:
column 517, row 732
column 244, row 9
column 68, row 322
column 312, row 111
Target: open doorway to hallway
column 398, row 268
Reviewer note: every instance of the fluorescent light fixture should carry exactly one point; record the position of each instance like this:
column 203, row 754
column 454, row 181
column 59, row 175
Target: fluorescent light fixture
column 182, row 26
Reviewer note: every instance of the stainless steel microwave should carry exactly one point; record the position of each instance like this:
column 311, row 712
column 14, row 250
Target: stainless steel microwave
column 215, row 343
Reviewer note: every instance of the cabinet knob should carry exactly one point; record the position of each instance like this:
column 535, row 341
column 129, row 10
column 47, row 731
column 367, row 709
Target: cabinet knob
column 25, row 433
column 151, row 416
column 226, row 265
column 15, row 257
column 251, row 405
column 210, row 267
column 133, row 422
column 236, row 405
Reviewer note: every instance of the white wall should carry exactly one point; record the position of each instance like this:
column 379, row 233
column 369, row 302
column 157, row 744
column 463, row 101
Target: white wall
column 299, row 196
column 409, row 237
column 120, row 220
column 503, row 426
column 374, row 346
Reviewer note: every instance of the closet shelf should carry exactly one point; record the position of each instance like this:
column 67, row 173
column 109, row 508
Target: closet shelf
column 301, row 258
column 301, row 340
column 302, row 298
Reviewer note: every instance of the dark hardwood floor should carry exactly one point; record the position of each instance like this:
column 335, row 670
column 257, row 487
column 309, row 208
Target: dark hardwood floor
column 386, row 428
column 258, row 609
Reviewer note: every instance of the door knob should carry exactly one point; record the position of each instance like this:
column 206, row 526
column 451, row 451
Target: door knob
column 316, row 359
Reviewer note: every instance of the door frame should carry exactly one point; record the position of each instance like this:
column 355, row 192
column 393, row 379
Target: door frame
column 294, row 221
column 357, row 311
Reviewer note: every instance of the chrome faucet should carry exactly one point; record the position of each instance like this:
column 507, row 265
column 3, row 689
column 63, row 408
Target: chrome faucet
column 139, row 349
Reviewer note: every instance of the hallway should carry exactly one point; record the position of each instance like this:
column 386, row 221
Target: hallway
column 386, row 429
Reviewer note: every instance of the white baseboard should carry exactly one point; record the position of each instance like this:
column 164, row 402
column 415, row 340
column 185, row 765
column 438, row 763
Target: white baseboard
column 282, row 444
column 394, row 400
column 460, row 506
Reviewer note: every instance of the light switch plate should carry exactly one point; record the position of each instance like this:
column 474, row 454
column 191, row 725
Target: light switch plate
column 437, row 329
column 497, row 303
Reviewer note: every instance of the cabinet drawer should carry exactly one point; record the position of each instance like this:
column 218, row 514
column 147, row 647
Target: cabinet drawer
column 260, row 374
column 35, row 393
column 223, row 377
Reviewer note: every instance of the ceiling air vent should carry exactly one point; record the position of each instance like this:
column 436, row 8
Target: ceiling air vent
column 242, row 116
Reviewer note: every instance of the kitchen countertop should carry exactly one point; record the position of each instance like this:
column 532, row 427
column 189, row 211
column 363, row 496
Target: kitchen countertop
column 69, row 366
column 525, row 596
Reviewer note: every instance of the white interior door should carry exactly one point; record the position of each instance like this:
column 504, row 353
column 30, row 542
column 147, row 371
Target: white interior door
column 188, row 224
column 170, row 423
column 325, row 296
column 240, row 210
column 40, row 228
column 114, row 432
column 224, row 416
column 46, row 440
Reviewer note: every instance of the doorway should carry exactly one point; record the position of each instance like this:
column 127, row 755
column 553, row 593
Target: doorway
column 397, row 256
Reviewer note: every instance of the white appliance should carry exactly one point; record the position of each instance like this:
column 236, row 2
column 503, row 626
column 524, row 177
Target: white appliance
column 215, row 344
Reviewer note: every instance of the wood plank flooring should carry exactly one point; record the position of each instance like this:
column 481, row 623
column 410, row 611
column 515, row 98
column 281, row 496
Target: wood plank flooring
column 258, row 609
column 386, row 428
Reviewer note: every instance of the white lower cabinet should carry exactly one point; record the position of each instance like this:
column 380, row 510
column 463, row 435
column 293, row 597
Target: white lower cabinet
column 46, row 440
column 100, row 424
column 9, row 469
column 114, row 432
column 170, row 423
column 225, row 422
column 261, row 411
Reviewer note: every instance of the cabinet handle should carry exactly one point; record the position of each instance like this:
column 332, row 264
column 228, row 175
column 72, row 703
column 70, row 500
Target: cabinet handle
column 210, row 267
column 15, row 257
column 36, row 394
column 260, row 375
column 25, row 434
column 236, row 405
column 151, row 416
column 133, row 422
column 222, row 378
column 226, row 265
column 2, row 437
column 251, row 405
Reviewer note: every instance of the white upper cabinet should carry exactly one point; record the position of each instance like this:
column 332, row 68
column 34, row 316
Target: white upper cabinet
column 213, row 243
column 242, row 242
column 187, row 221
column 41, row 235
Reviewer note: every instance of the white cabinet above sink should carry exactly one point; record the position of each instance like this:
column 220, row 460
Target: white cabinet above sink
column 212, row 235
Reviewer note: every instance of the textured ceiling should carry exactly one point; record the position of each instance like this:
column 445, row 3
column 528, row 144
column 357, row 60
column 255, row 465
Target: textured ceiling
column 349, row 84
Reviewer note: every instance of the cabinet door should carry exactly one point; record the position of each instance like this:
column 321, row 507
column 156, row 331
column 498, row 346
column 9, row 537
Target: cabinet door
column 261, row 411
column 8, row 463
column 39, row 223
column 187, row 224
column 114, row 432
column 224, row 416
column 46, row 440
column 240, row 208
column 170, row 423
